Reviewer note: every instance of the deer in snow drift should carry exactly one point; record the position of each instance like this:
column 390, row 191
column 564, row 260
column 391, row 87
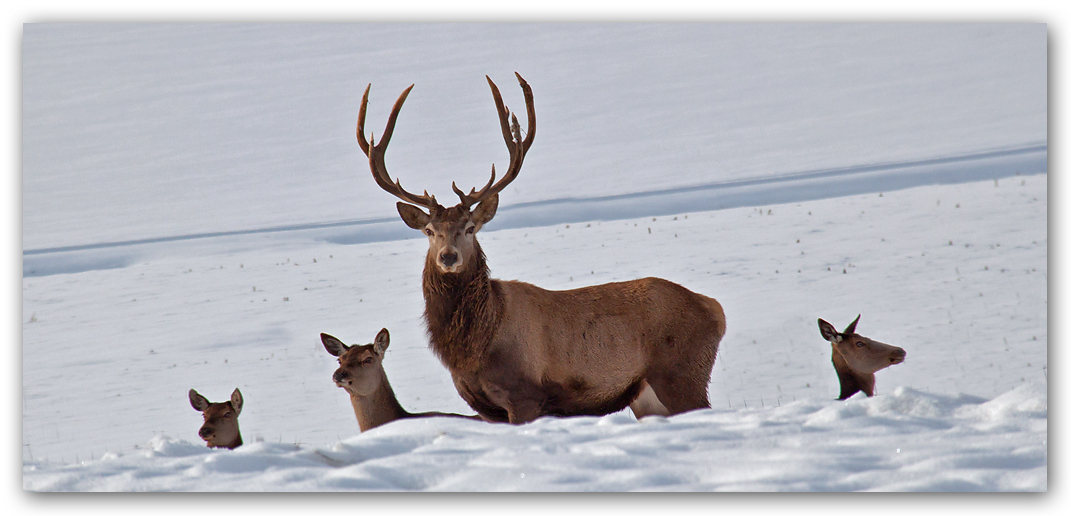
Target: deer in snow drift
column 360, row 373
column 220, row 429
column 856, row 358
column 516, row 351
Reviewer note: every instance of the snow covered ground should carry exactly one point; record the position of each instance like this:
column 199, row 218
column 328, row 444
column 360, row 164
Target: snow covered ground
column 196, row 212
column 954, row 274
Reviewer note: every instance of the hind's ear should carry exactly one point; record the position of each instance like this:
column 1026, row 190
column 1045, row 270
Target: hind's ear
column 333, row 346
column 199, row 403
column 237, row 401
column 828, row 331
column 851, row 327
column 382, row 341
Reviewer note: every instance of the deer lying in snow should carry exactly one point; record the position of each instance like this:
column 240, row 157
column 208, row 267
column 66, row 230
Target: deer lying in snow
column 360, row 372
column 856, row 358
column 220, row 429
column 516, row 351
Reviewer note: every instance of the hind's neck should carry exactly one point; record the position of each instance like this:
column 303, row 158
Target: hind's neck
column 378, row 408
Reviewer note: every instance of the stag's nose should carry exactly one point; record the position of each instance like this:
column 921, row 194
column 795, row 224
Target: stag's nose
column 448, row 259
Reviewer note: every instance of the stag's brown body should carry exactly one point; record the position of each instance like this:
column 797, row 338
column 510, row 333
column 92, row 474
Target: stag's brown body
column 512, row 346
column 517, row 351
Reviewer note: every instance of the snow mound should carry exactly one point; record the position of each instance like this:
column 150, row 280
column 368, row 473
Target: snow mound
column 904, row 441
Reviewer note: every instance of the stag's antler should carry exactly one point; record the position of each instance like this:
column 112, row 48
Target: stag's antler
column 511, row 132
column 375, row 155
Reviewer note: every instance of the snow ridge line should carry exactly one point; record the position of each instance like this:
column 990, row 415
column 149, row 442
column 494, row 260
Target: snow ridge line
column 793, row 187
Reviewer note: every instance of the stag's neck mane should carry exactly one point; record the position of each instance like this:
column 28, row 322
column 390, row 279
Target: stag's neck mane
column 379, row 408
column 461, row 311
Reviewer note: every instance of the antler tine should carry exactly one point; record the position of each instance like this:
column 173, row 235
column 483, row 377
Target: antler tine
column 511, row 133
column 473, row 197
column 375, row 154
column 360, row 121
column 529, row 105
column 379, row 173
column 389, row 130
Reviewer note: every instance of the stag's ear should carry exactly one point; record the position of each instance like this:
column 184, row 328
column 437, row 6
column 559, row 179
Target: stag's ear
column 828, row 332
column 382, row 341
column 413, row 216
column 851, row 327
column 200, row 403
column 485, row 211
column 333, row 345
column 237, row 401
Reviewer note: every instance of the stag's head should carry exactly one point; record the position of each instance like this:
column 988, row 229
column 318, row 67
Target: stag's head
column 451, row 231
column 360, row 368
column 863, row 355
column 220, row 428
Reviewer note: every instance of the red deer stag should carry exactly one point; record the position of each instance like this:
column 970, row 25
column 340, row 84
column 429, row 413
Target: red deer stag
column 856, row 358
column 220, row 429
column 360, row 372
column 516, row 351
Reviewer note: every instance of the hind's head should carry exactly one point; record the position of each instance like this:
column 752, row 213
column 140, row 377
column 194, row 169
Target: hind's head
column 856, row 358
column 220, row 428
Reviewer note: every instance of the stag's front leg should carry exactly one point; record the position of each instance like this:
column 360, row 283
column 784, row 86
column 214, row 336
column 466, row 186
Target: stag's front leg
column 524, row 410
column 523, row 400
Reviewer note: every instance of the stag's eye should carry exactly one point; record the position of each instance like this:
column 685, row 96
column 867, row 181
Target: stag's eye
column 428, row 232
column 470, row 230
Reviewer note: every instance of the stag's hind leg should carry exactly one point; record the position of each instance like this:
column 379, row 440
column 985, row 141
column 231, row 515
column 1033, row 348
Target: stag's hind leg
column 685, row 358
column 681, row 384
column 647, row 403
column 680, row 393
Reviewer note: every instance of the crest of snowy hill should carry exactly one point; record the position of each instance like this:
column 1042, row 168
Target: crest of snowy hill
column 903, row 441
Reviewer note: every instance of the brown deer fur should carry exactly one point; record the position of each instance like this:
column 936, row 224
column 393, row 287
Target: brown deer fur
column 361, row 375
column 856, row 358
column 516, row 351
column 220, row 428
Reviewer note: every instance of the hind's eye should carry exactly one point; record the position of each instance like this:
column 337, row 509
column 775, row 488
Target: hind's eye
column 368, row 360
column 860, row 344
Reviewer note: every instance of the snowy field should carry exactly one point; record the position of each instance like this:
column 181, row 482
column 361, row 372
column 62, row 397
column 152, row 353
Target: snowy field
column 196, row 211
column 954, row 274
